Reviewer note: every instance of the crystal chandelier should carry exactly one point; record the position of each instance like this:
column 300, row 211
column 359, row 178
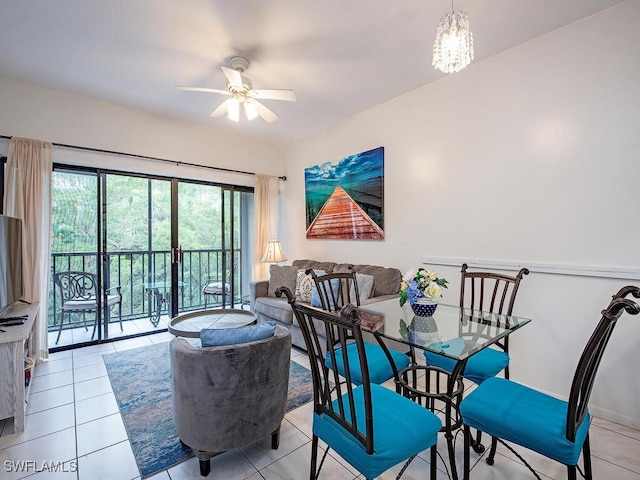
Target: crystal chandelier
column 453, row 48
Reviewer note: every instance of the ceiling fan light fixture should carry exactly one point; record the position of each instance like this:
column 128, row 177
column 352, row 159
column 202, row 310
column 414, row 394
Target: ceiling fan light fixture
column 240, row 90
column 233, row 110
column 250, row 110
column 453, row 47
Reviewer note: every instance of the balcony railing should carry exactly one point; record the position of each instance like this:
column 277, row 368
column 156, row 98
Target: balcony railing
column 131, row 270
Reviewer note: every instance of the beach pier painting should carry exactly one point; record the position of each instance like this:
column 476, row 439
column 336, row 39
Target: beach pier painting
column 345, row 199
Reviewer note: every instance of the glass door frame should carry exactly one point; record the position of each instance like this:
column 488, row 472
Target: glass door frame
column 102, row 252
column 229, row 275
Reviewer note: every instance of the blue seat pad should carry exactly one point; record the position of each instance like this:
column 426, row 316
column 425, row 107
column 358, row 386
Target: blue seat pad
column 485, row 364
column 401, row 429
column 522, row 415
column 379, row 368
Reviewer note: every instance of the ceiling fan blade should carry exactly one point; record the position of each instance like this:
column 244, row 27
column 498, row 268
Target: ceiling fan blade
column 249, row 109
column 287, row 95
column 264, row 112
column 222, row 109
column 203, row 89
column 234, row 77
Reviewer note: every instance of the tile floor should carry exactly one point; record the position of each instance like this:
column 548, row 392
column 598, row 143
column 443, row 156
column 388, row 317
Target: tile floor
column 80, row 334
column 72, row 417
column 71, row 336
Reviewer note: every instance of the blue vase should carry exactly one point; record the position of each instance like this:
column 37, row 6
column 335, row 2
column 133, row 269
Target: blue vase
column 424, row 307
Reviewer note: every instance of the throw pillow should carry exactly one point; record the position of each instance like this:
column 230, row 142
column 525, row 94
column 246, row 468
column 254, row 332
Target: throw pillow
column 282, row 276
column 315, row 295
column 365, row 286
column 217, row 337
column 305, row 284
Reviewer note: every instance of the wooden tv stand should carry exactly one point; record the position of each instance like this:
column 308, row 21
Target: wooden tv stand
column 13, row 342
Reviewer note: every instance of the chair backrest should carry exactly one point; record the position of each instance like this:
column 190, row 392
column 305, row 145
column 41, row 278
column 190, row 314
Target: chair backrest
column 336, row 289
column 341, row 329
column 76, row 285
column 490, row 292
column 229, row 396
column 590, row 360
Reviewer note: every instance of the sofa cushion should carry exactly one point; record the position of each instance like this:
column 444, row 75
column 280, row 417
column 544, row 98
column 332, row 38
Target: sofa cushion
column 386, row 281
column 217, row 337
column 315, row 295
column 282, row 276
column 305, row 285
column 274, row 308
column 365, row 286
column 327, row 267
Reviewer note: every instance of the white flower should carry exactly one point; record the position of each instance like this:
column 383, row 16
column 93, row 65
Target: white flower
column 431, row 275
column 433, row 290
column 409, row 275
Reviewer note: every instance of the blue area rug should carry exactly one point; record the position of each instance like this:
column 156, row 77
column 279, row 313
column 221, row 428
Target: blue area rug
column 142, row 387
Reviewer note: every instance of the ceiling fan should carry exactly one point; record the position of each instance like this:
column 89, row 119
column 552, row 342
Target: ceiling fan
column 241, row 91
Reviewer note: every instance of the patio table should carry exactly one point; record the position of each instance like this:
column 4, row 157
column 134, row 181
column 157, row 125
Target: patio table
column 160, row 292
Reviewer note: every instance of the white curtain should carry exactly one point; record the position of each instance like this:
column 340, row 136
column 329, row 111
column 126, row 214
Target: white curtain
column 265, row 221
column 28, row 197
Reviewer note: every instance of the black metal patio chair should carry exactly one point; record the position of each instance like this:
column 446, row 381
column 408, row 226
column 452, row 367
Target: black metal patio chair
column 78, row 292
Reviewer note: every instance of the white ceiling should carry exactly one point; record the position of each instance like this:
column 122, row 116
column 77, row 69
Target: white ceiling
column 340, row 56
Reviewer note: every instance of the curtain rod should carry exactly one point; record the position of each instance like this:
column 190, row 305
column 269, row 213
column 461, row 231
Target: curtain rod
column 146, row 157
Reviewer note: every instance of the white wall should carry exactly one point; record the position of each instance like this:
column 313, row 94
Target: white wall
column 51, row 115
column 530, row 156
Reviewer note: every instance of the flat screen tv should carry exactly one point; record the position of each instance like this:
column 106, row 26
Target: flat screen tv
column 11, row 283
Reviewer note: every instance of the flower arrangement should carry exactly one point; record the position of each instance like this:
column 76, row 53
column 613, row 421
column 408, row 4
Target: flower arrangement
column 421, row 283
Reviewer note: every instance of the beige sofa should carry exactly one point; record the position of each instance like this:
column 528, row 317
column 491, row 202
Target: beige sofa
column 386, row 284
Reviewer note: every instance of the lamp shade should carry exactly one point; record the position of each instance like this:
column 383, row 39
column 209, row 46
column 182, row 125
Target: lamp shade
column 273, row 253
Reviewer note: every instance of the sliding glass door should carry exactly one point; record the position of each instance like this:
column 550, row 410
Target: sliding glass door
column 137, row 250
column 74, row 258
column 213, row 246
column 155, row 247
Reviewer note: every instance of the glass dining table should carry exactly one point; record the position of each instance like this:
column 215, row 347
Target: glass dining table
column 453, row 332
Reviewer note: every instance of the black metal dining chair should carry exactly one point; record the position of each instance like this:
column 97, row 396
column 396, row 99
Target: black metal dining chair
column 370, row 426
column 488, row 292
column 78, row 294
column 335, row 290
column 552, row 427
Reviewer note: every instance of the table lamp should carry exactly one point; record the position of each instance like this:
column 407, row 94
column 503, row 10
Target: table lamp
column 273, row 253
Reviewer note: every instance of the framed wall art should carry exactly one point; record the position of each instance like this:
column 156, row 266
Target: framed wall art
column 345, row 199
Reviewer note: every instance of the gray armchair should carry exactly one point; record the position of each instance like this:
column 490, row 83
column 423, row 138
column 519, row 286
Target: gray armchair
column 228, row 397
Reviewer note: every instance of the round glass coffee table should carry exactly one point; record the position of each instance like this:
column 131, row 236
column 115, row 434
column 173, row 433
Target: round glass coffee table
column 192, row 323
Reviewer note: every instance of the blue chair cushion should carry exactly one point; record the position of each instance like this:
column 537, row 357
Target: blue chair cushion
column 485, row 364
column 519, row 414
column 217, row 337
column 401, row 429
column 379, row 368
